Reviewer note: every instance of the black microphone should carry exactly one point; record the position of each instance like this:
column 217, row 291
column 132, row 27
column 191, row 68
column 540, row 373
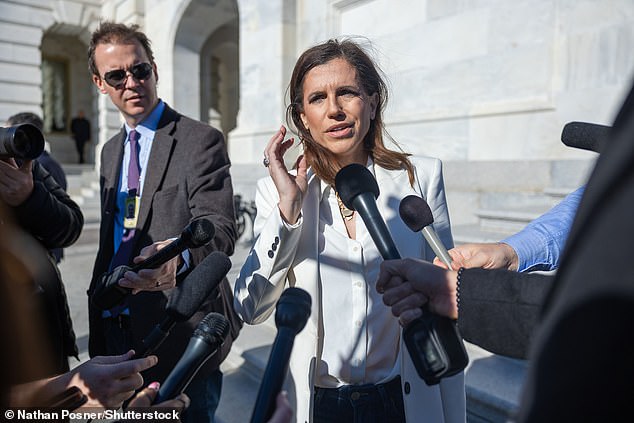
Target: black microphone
column 417, row 215
column 109, row 293
column 207, row 338
column 433, row 341
column 586, row 136
column 291, row 314
column 358, row 191
column 187, row 298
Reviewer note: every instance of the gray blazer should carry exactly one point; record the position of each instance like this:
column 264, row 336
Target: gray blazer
column 187, row 178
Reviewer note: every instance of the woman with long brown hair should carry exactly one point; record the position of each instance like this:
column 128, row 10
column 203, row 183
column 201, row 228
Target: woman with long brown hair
column 349, row 363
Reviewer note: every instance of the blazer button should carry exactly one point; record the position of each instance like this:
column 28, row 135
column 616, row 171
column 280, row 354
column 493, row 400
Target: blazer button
column 407, row 388
column 271, row 254
column 273, row 247
column 277, row 240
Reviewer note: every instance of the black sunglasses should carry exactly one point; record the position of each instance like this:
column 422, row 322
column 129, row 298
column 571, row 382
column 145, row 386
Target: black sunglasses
column 117, row 78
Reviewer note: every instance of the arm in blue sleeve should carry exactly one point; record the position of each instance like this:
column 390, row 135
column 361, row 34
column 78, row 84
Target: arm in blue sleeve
column 539, row 245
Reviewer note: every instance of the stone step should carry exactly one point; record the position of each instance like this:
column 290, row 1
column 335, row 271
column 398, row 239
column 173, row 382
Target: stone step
column 466, row 234
column 509, row 220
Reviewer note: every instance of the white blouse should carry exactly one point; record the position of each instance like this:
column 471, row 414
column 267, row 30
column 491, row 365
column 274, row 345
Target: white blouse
column 361, row 340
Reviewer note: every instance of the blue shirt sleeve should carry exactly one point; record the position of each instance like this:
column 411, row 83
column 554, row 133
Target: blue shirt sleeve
column 539, row 245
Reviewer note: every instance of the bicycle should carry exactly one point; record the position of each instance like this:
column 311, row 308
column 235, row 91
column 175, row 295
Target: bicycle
column 245, row 216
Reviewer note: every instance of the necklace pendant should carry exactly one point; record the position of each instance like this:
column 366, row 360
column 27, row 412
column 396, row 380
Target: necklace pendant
column 347, row 213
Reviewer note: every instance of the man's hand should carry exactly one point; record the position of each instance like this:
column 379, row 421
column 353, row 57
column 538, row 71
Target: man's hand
column 484, row 255
column 408, row 284
column 159, row 279
column 16, row 182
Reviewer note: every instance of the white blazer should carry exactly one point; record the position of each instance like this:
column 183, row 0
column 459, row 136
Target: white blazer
column 294, row 262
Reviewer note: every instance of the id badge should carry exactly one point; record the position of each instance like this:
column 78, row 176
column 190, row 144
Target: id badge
column 131, row 212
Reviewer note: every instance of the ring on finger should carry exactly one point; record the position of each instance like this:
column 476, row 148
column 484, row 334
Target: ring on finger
column 266, row 161
column 158, row 284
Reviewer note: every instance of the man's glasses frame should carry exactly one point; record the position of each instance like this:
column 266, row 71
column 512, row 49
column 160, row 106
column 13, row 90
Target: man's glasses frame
column 118, row 78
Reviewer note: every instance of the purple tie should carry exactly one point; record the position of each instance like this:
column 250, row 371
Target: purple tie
column 123, row 254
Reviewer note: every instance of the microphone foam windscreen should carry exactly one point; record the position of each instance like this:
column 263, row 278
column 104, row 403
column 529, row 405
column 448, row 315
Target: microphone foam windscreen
column 190, row 294
column 586, row 136
column 198, row 233
column 352, row 180
column 213, row 328
column 293, row 309
column 415, row 212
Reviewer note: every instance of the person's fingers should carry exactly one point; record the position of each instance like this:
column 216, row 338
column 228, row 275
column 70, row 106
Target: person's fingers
column 132, row 382
column 397, row 292
column 439, row 263
column 179, row 403
column 301, row 164
column 408, row 316
column 112, row 359
column 410, row 302
column 127, row 368
column 26, row 167
column 146, row 396
column 389, row 283
column 388, row 270
column 285, row 145
column 271, row 149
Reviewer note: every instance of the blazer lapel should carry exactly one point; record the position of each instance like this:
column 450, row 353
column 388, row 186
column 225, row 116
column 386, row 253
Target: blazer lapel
column 393, row 186
column 159, row 159
column 111, row 174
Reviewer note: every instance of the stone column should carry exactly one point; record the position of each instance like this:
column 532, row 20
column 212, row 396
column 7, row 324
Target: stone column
column 267, row 54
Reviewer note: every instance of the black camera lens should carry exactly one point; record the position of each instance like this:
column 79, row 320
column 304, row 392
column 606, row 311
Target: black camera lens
column 21, row 142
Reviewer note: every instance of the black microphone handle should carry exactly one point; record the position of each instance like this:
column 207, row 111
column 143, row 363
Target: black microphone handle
column 165, row 254
column 365, row 205
column 274, row 375
column 197, row 353
column 155, row 338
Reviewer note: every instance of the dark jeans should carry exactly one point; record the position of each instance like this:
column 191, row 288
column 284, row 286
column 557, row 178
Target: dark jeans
column 382, row 403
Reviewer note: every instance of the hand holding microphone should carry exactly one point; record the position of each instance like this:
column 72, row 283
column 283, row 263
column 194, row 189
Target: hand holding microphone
column 433, row 341
column 109, row 293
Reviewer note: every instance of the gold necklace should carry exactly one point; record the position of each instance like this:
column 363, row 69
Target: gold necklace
column 346, row 213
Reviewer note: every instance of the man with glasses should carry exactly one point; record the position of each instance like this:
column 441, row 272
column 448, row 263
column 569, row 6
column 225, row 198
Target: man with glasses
column 160, row 172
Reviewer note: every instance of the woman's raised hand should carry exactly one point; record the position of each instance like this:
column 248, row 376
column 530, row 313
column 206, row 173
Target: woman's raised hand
column 291, row 188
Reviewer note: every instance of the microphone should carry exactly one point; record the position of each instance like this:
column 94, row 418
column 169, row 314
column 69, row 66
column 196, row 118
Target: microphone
column 417, row 215
column 291, row 314
column 433, row 341
column 586, row 136
column 109, row 293
column 358, row 191
column 207, row 338
column 187, row 298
